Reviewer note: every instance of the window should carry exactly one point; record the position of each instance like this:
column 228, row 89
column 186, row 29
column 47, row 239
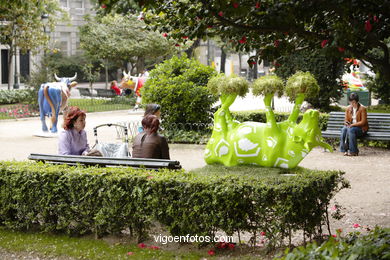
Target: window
column 65, row 46
column 78, row 7
column 64, row 3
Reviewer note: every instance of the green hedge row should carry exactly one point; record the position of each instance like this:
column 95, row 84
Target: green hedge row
column 79, row 200
column 259, row 116
column 177, row 134
column 16, row 96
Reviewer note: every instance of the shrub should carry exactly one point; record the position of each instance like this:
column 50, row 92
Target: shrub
column 380, row 87
column 326, row 70
column 302, row 83
column 15, row 96
column 268, row 85
column 375, row 245
column 259, row 116
column 179, row 86
column 80, row 200
column 226, row 85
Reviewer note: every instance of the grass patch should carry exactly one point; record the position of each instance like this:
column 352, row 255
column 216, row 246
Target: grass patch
column 100, row 105
column 243, row 171
column 82, row 248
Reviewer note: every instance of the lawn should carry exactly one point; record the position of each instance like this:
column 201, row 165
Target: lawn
column 83, row 248
column 99, row 105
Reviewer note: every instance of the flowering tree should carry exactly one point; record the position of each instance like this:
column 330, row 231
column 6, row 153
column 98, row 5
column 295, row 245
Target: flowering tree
column 275, row 27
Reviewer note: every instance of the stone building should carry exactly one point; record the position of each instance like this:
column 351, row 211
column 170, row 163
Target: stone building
column 65, row 37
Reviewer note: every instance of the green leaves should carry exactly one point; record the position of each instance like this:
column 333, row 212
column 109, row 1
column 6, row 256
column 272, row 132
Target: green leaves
column 222, row 84
column 302, row 83
column 79, row 200
column 179, row 86
column 266, row 85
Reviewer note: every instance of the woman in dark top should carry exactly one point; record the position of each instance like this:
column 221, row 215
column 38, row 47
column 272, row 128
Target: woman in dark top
column 149, row 144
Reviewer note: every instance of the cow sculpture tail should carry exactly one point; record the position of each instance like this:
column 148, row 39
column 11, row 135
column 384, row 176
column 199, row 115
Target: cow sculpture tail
column 53, row 111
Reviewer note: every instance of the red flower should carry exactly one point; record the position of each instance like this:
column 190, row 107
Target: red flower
column 209, row 26
column 262, row 233
column 141, row 245
column 211, row 252
column 231, row 246
column 185, row 37
column 257, row 5
column 165, row 35
column 276, row 43
column 104, row 6
column 339, row 230
column 356, row 225
column 155, row 247
column 177, row 45
column 341, row 49
column 376, row 19
column 253, row 62
column 323, row 43
column 220, row 13
column 368, row 26
column 334, row 236
column 236, row 5
column 243, row 40
column 130, row 253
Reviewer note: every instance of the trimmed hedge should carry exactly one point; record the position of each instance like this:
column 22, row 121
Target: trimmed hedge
column 79, row 200
column 15, row 96
column 259, row 116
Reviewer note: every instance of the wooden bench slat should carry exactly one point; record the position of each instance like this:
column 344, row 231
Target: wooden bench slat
column 106, row 161
column 379, row 126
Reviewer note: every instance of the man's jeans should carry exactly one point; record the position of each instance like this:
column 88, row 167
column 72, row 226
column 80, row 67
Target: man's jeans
column 352, row 133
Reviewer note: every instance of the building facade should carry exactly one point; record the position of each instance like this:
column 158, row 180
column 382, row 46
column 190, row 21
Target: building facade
column 65, row 37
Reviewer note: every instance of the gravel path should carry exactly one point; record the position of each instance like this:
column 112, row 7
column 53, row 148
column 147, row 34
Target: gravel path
column 367, row 203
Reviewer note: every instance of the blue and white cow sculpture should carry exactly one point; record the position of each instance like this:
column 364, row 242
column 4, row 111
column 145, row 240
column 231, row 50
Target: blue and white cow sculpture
column 53, row 98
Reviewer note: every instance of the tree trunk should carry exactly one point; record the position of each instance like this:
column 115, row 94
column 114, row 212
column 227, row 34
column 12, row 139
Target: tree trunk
column 239, row 64
column 140, row 65
column 190, row 51
column 10, row 56
column 223, row 60
column 106, row 72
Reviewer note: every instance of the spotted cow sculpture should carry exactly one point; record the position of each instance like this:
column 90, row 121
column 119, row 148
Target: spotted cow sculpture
column 271, row 144
column 53, row 98
column 134, row 83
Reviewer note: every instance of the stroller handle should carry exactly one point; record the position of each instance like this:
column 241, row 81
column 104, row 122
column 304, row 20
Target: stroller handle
column 109, row 125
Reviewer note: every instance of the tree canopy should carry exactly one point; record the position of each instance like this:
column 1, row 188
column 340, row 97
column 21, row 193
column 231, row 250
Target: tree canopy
column 117, row 38
column 274, row 28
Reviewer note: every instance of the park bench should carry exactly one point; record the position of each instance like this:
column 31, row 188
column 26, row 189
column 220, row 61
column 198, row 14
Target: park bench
column 106, row 161
column 379, row 126
column 85, row 92
column 108, row 93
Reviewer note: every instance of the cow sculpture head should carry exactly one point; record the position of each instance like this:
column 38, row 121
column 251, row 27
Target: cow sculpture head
column 129, row 81
column 68, row 81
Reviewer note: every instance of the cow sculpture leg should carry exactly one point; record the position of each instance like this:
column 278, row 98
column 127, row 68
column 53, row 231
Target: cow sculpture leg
column 41, row 101
column 55, row 96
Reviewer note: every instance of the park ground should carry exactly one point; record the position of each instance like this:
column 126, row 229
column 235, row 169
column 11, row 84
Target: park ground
column 366, row 203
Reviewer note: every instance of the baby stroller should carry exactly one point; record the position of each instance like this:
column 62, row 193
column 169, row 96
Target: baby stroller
column 113, row 150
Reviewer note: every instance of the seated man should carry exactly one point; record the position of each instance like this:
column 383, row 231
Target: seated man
column 355, row 125
column 149, row 144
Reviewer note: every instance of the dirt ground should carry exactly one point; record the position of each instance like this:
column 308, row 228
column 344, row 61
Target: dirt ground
column 367, row 203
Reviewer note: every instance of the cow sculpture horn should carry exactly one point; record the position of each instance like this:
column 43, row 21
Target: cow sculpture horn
column 56, row 77
column 74, row 77
column 125, row 74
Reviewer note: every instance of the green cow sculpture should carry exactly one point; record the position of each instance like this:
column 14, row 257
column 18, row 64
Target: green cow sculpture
column 271, row 144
